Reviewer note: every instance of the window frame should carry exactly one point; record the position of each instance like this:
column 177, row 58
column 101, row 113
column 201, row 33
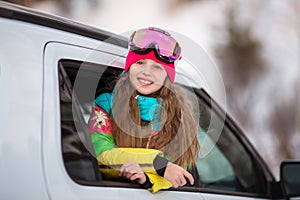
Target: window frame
column 203, row 96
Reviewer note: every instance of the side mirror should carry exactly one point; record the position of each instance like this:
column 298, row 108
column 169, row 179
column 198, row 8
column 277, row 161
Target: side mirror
column 290, row 178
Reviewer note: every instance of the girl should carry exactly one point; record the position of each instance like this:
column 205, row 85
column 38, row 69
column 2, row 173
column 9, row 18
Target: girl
column 145, row 131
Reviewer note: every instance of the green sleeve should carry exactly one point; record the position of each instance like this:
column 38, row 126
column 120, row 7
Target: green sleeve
column 102, row 142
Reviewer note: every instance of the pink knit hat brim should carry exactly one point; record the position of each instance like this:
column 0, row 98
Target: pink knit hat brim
column 134, row 57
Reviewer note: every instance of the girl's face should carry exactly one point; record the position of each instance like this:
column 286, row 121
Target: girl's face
column 147, row 76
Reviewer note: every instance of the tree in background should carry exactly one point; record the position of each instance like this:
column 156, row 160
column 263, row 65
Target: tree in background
column 260, row 66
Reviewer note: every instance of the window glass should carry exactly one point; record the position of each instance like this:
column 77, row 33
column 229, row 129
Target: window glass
column 214, row 166
column 227, row 165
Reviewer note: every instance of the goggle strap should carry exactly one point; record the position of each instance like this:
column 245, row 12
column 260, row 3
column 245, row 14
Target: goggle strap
column 156, row 53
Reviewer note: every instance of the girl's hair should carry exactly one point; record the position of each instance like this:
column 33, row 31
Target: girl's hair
column 177, row 136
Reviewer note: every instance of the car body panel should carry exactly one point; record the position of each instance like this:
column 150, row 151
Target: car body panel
column 21, row 112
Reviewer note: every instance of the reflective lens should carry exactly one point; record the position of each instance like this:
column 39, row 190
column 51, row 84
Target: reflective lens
column 166, row 46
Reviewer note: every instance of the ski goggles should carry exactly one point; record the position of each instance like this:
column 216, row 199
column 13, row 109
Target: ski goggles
column 166, row 47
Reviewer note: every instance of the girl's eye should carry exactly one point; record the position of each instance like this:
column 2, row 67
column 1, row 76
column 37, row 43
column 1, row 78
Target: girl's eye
column 140, row 62
column 157, row 67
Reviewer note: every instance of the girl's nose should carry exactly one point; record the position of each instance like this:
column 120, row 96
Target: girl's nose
column 147, row 69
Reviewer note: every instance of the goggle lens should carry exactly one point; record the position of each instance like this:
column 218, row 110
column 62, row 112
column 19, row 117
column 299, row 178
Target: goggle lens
column 167, row 47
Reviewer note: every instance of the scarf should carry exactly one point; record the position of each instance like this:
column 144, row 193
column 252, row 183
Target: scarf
column 150, row 111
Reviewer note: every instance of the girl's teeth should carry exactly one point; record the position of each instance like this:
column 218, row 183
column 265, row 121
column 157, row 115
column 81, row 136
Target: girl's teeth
column 145, row 82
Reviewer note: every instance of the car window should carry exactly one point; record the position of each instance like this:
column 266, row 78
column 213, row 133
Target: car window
column 225, row 164
column 76, row 147
column 214, row 167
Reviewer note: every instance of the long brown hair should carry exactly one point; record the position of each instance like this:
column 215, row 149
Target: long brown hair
column 177, row 136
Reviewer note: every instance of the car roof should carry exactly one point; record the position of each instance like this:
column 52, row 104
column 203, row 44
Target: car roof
column 25, row 14
column 21, row 13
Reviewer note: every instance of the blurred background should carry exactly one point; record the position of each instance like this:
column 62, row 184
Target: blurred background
column 254, row 43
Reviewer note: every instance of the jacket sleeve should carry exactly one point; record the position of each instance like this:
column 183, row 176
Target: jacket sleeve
column 100, row 127
column 111, row 161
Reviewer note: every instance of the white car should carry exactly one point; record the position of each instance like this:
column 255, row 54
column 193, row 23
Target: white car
column 50, row 70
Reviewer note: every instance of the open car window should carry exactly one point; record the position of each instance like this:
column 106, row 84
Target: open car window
column 227, row 163
column 227, row 166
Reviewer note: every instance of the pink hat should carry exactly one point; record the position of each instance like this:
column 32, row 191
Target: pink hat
column 133, row 57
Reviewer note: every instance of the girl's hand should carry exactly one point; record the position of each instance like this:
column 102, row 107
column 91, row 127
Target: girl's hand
column 176, row 175
column 133, row 172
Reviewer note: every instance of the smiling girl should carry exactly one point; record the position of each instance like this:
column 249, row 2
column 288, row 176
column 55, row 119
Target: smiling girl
column 145, row 131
